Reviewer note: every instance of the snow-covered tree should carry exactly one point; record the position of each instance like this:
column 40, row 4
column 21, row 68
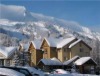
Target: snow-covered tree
column 16, row 59
column 73, row 70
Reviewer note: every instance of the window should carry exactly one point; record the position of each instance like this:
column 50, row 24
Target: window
column 45, row 51
column 81, row 49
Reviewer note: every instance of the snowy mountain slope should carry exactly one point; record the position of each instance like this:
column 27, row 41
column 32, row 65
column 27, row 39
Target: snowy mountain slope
column 23, row 24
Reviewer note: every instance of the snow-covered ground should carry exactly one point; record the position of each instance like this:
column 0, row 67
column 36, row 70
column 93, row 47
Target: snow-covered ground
column 10, row 72
column 74, row 74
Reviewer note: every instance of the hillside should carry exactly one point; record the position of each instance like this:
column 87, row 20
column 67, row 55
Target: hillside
column 20, row 25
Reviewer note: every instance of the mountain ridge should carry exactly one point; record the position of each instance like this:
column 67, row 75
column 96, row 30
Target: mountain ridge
column 29, row 25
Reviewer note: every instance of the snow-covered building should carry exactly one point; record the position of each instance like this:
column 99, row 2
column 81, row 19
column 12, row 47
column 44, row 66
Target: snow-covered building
column 64, row 49
column 33, row 50
column 69, row 63
column 54, row 47
column 85, row 64
column 6, row 55
column 61, row 48
column 49, row 64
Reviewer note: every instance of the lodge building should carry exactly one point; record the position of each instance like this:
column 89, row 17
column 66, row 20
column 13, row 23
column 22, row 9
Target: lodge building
column 63, row 52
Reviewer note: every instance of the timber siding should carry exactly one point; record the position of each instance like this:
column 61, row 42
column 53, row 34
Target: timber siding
column 60, row 54
column 81, row 51
column 53, row 52
column 36, row 55
column 48, row 52
column 64, row 52
column 33, row 55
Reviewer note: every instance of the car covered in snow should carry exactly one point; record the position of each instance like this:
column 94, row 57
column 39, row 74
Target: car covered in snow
column 35, row 71
column 60, row 71
column 28, row 71
column 24, row 71
column 9, row 72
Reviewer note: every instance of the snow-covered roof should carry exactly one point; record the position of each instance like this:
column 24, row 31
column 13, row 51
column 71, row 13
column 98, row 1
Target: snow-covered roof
column 65, row 42
column 83, row 60
column 52, row 41
column 71, row 60
column 79, row 40
column 60, row 42
column 36, row 44
column 74, row 43
column 56, row 60
column 25, row 47
column 52, row 61
column 7, row 51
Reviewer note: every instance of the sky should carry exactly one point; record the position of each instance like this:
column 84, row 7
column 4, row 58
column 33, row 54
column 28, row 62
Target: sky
column 86, row 13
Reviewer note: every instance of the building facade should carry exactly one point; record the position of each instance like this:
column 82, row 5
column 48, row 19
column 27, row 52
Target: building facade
column 62, row 49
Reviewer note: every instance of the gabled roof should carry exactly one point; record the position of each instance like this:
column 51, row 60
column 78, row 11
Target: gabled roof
column 52, row 61
column 52, row 42
column 25, row 47
column 83, row 60
column 7, row 51
column 36, row 44
column 79, row 40
column 65, row 41
column 59, row 43
column 56, row 60
column 71, row 60
column 74, row 43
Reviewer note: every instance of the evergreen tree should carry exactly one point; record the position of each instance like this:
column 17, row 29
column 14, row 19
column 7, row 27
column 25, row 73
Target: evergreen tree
column 73, row 70
column 16, row 60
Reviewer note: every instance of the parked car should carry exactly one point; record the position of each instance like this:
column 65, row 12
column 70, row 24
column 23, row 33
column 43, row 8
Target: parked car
column 21, row 70
column 34, row 71
column 59, row 71
column 9, row 72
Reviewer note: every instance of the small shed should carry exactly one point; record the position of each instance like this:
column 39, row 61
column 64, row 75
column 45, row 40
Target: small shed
column 49, row 64
column 69, row 63
column 85, row 64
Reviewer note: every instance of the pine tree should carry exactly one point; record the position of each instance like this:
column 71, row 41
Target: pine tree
column 16, row 59
column 73, row 70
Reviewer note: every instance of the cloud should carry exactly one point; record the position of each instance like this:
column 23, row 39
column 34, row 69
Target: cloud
column 11, row 12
